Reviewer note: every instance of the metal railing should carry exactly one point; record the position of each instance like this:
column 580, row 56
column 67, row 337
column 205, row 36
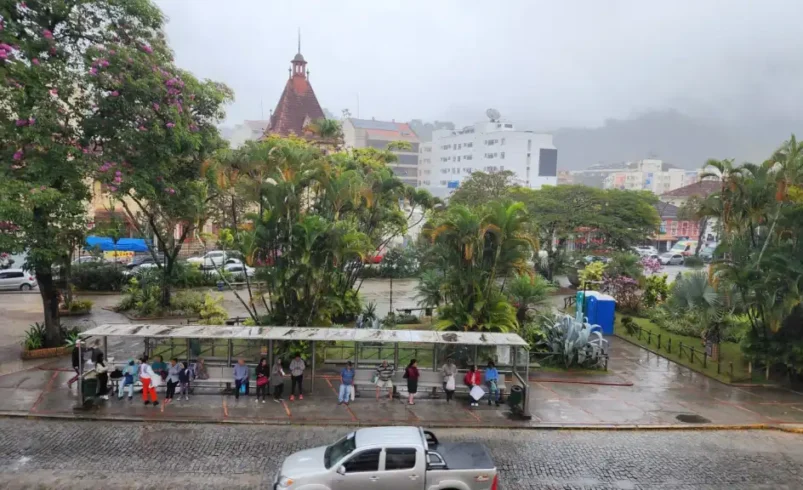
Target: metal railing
column 692, row 354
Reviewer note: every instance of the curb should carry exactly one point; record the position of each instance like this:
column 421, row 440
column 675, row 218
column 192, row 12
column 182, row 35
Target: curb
column 794, row 429
column 580, row 382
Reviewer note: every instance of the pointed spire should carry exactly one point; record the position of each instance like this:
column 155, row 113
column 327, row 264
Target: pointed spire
column 299, row 40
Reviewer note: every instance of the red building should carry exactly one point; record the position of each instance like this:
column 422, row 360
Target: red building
column 298, row 105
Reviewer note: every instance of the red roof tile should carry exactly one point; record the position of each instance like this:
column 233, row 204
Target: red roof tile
column 702, row 188
column 297, row 105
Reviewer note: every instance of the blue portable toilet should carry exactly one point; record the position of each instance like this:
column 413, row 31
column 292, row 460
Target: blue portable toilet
column 601, row 310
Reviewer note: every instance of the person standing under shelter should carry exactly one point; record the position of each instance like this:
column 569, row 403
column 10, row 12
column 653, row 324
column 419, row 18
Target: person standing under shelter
column 103, row 377
column 383, row 374
column 150, row 380
column 277, row 380
column 346, row 382
column 241, row 374
column 449, row 371
column 200, row 369
column 411, row 374
column 297, row 367
column 173, row 371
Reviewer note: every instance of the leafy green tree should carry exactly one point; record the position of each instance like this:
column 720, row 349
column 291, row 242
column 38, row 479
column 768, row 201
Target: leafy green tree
column 157, row 127
column 48, row 95
column 559, row 214
column 476, row 248
column 481, row 188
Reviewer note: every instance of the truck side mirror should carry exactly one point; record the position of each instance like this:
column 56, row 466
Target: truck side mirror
column 341, row 470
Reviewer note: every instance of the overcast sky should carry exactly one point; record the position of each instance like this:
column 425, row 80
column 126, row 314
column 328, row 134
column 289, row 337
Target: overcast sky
column 549, row 63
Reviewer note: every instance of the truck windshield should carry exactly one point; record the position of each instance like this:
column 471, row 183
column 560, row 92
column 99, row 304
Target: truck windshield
column 338, row 450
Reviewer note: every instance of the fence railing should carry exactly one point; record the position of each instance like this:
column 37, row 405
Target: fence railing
column 687, row 351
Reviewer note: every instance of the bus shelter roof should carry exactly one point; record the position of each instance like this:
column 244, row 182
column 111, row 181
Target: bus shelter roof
column 304, row 333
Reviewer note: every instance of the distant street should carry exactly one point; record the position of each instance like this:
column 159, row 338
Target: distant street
column 53, row 454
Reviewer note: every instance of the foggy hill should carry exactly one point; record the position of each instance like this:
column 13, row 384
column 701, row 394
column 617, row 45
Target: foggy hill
column 681, row 140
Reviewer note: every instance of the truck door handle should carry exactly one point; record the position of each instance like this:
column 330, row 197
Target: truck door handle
column 414, row 477
column 374, row 478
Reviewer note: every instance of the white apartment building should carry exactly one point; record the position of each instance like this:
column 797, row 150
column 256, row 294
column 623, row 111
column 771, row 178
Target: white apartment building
column 370, row 133
column 491, row 146
column 651, row 175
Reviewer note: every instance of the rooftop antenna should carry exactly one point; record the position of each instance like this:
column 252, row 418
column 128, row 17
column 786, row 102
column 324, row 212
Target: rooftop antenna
column 493, row 115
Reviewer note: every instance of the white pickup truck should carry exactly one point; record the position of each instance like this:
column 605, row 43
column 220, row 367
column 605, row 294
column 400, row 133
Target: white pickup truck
column 389, row 458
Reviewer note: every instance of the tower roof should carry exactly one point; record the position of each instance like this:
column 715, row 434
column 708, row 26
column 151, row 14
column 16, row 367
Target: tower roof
column 297, row 105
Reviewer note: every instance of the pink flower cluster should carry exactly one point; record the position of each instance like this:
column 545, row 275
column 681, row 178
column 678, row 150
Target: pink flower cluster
column 18, row 155
column 170, row 125
column 170, row 191
column 5, row 51
column 147, row 48
column 47, row 34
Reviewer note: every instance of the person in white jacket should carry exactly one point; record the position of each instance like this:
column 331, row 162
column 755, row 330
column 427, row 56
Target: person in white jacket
column 150, row 380
column 103, row 377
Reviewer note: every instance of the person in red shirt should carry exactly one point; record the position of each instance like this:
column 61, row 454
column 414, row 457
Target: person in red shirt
column 472, row 379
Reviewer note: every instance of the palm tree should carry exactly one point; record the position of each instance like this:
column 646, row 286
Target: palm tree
column 430, row 289
column 328, row 134
column 527, row 293
column 693, row 293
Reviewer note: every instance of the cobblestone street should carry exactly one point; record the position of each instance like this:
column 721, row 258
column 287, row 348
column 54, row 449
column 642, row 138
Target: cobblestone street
column 53, row 454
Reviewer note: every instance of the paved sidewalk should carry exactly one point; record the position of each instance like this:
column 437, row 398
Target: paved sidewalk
column 662, row 393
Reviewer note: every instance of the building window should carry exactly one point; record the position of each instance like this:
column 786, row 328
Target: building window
column 674, row 228
column 529, row 145
column 508, row 125
column 663, row 226
column 503, row 141
column 502, row 155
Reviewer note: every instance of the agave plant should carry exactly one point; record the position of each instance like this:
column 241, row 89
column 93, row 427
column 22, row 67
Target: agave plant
column 576, row 342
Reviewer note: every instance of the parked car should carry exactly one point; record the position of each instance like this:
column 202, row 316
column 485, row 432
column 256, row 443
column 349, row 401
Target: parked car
column 707, row 254
column 389, row 458
column 671, row 259
column 139, row 260
column 17, row 279
column 214, row 258
column 87, row 259
column 645, row 250
column 237, row 269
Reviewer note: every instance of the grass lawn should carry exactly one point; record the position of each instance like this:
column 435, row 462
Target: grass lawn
column 728, row 351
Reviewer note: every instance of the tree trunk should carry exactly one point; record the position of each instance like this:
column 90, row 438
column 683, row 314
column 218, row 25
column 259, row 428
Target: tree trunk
column 701, row 236
column 50, row 304
column 167, row 276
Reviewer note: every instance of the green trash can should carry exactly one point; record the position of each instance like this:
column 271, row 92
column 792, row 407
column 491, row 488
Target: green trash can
column 516, row 397
column 89, row 389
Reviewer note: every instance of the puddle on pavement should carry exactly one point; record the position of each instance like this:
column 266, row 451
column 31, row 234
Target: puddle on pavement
column 691, row 418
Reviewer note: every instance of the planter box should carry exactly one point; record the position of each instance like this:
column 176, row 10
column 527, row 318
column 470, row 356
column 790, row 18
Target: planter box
column 46, row 353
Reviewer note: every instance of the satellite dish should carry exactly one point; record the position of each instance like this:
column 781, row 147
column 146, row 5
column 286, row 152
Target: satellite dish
column 493, row 115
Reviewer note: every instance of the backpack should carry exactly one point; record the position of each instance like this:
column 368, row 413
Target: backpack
column 185, row 375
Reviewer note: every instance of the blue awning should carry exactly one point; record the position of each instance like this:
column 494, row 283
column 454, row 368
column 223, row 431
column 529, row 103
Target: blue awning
column 106, row 244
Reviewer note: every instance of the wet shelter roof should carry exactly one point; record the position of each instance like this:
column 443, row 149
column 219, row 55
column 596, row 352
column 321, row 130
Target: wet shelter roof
column 304, row 333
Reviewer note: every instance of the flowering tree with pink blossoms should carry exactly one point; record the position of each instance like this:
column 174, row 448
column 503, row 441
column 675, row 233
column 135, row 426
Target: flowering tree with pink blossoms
column 156, row 125
column 48, row 97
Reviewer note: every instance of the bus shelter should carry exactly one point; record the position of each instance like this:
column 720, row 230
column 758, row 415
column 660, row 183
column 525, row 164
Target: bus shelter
column 188, row 342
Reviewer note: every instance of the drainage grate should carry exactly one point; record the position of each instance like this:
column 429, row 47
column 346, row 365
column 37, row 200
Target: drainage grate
column 691, row 418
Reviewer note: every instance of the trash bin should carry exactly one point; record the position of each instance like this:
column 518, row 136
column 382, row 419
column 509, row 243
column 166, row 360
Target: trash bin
column 89, row 388
column 516, row 396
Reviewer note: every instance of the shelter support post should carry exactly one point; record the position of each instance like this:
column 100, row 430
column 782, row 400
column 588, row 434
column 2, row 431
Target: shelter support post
column 229, row 353
column 106, row 347
column 526, row 404
column 476, row 356
column 188, row 351
column 434, row 357
column 270, row 353
column 396, row 355
column 79, row 343
column 312, row 378
column 356, row 355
